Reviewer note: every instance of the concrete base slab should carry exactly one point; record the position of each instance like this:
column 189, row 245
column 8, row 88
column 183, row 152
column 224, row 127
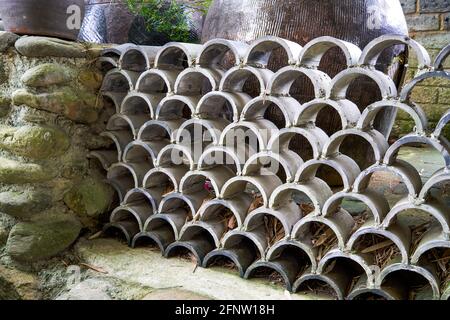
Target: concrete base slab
column 148, row 268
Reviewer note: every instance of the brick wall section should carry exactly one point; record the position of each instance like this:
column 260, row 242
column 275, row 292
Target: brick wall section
column 429, row 24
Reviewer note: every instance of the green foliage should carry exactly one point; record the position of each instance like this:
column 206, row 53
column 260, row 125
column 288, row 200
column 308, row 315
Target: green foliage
column 168, row 17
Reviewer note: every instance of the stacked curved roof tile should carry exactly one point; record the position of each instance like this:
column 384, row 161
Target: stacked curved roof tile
column 159, row 92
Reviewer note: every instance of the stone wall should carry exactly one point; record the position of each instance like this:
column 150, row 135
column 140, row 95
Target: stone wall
column 429, row 24
column 50, row 118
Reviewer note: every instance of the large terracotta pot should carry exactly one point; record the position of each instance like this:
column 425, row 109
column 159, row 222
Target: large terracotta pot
column 302, row 21
column 54, row 18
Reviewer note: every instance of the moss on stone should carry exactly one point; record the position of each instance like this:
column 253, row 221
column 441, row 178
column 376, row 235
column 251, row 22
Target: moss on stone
column 90, row 197
column 6, row 224
column 43, row 238
column 24, row 203
column 5, row 101
column 18, row 285
column 7, row 39
column 446, row 132
column 5, row 104
column 47, row 74
column 37, row 142
column 4, row 233
column 44, row 47
column 14, row 172
column 90, row 79
column 74, row 104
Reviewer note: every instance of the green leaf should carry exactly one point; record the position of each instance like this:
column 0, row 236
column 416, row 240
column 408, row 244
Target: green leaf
column 168, row 17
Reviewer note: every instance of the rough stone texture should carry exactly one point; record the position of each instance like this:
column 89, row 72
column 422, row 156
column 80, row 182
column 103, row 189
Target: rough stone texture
column 148, row 268
column 48, row 123
column 429, row 22
column 75, row 105
column 42, row 238
column 174, row 294
column 91, row 79
column 37, row 142
column 4, row 234
column 6, row 224
column 90, row 289
column 423, row 22
column 45, row 75
column 434, row 5
column 409, row 6
column 15, row 172
column 91, row 197
column 7, row 39
column 24, row 203
column 49, row 47
column 18, row 285
column 446, row 21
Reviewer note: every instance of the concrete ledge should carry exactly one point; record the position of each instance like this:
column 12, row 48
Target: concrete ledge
column 148, row 268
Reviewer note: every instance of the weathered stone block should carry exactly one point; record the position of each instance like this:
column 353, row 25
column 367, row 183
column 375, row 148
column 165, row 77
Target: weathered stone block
column 444, row 96
column 18, row 285
column 4, row 233
column 53, row 47
column 75, row 105
column 425, row 94
column 43, row 238
column 6, row 224
column 25, row 203
column 432, row 40
column 34, row 142
column 91, row 79
column 90, row 289
column 3, row 74
column 7, row 39
column 5, row 103
column 90, row 197
column 423, row 22
column 47, row 74
column 14, row 172
column 446, row 21
column 434, row 112
column 436, row 82
column 409, row 6
column 434, row 5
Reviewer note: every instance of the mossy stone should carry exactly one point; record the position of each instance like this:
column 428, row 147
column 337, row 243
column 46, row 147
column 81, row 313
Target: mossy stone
column 14, row 172
column 91, row 197
column 4, row 233
column 6, row 224
column 18, row 285
column 25, row 203
column 53, row 47
column 5, row 104
column 75, row 105
column 37, row 142
column 46, row 74
column 5, row 101
column 90, row 79
column 7, row 39
column 43, row 238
